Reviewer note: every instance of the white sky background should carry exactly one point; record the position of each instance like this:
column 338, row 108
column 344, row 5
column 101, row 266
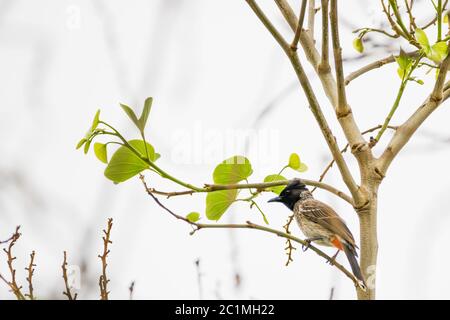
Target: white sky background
column 211, row 67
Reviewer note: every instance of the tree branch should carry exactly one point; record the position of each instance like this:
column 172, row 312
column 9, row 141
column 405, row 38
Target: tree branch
column 342, row 107
column 314, row 105
column 328, row 167
column 311, row 17
column 375, row 65
column 298, row 31
column 324, row 62
column 265, row 185
column 409, row 127
column 253, row 226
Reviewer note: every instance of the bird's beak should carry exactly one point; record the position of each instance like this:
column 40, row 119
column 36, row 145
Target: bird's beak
column 276, row 199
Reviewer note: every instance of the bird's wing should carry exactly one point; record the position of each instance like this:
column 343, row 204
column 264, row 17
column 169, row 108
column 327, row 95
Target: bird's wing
column 325, row 216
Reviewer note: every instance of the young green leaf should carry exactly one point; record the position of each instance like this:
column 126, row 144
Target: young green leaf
column 193, row 216
column 145, row 113
column 81, row 142
column 358, row 45
column 438, row 51
column 125, row 164
column 296, row 164
column 404, row 62
column 95, row 121
column 101, row 152
column 272, row 178
column 86, row 146
column 130, row 113
column 422, row 38
column 294, row 161
column 217, row 202
column 232, row 170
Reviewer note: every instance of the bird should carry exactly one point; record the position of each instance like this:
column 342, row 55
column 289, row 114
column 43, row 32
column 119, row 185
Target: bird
column 320, row 223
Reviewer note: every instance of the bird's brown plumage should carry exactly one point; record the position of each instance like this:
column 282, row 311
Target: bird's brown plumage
column 323, row 215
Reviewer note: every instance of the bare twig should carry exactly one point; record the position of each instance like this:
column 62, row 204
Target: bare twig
column 103, row 280
column 324, row 62
column 30, row 270
column 299, row 26
column 342, row 108
column 289, row 247
column 68, row 293
column 311, row 16
column 15, row 288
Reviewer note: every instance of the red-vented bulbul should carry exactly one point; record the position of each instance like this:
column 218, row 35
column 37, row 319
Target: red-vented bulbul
column 319, row 222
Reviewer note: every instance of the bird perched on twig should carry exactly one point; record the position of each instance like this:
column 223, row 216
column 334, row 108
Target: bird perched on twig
column 320, row 223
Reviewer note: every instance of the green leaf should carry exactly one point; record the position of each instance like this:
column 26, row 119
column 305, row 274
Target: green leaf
column 401, row 73
column 101, row 152
column 125, row 164
column 232, row 170
column 193, row 216
column 303, row 167
column 404, row 62
column 95, row 121
column 272, row 178
column 86, row 146
column 145, row 113
column 358, row 45
column 296, row 164
column 217, row 202
column 438, row 51
column 81, row 142
column 445, row 20
column 294, row 161
column 130, row 114
column 422, row 38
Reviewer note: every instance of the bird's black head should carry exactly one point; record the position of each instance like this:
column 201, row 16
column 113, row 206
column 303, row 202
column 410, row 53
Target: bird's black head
column 291, row 194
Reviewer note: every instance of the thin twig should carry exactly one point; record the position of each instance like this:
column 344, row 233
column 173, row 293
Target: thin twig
column 342, row 108
column 289, row 247
column 103, row 280
column 324, row 61
column 68, row 293
column 299, row 26
column 311, row 16
column 15, row 288
column 374, row 65
column 30, row 270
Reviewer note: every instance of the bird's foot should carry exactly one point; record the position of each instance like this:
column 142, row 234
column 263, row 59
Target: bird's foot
column 333, row 259
column 308, row 244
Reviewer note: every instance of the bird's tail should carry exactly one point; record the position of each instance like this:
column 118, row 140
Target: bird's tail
column 351, row 256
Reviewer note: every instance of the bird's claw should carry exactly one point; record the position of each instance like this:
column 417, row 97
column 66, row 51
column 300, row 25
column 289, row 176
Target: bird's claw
column 306, row 247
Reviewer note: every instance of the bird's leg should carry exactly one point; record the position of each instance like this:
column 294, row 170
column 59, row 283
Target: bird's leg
column 308, row 242
column 333, row 258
